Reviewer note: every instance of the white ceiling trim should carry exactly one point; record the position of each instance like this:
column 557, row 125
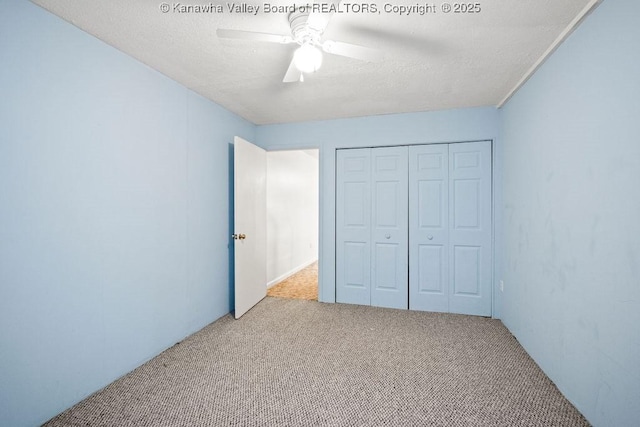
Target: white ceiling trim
column 590, row 7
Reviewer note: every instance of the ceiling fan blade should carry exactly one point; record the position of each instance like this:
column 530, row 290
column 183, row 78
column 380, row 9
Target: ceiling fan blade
column 254, row 36
column 352, row 51
column 292, row 74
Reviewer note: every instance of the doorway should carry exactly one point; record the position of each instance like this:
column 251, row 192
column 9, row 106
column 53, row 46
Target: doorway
column 292, row 223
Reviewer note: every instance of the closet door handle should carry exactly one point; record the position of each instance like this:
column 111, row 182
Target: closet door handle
column 430, row 237
column 387, row 236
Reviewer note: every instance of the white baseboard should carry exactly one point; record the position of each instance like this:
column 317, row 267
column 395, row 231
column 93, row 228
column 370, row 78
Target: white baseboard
column 290, row 273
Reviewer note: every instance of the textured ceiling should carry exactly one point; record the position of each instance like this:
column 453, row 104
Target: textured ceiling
column 433, row 61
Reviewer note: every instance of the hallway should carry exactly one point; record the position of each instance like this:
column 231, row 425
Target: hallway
column 301, row 285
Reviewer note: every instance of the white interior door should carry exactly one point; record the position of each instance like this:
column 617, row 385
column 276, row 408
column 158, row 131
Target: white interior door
column 250, row 225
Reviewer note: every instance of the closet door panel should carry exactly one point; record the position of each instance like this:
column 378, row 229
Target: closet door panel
column 414, row 227
column 428, row 228
column 353, row 226
column 471, row 228
column 389, row 274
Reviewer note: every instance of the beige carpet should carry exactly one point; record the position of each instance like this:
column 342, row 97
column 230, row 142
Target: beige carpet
column 303, row 363
column 302, row 285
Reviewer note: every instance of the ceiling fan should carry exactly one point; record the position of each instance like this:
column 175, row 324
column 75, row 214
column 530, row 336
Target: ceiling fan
column 307, row 28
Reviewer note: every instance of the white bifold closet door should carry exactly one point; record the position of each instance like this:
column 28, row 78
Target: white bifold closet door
column 389, row 241
column 413, row 227
column 353, row 226
column 429, row 227
column 372, row 251
column 450, row 228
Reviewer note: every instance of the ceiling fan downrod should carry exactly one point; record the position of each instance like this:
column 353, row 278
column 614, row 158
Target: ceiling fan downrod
column 301, row 29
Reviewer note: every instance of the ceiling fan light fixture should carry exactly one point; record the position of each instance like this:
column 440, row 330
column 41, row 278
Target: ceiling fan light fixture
column 307, row 58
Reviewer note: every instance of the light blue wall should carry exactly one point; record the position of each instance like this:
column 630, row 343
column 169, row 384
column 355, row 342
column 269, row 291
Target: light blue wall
column 114, row 217
column 572, row 216
column 114, row 213
column 399, row 129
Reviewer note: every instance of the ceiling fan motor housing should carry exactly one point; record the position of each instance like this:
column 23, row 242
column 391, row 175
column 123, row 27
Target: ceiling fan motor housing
column 302, row 32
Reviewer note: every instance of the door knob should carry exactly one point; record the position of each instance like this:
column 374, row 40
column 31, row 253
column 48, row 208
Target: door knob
column 387, row 236
column 430, row 237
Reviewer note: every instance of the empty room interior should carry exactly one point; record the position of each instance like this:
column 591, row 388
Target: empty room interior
column 465, row 175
